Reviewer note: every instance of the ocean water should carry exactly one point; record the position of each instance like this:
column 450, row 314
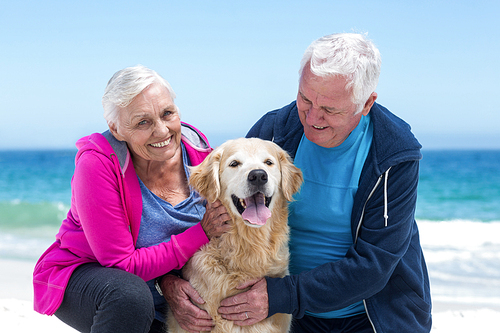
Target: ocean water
column 462, row 185
column 458, row 213
column 35, row 194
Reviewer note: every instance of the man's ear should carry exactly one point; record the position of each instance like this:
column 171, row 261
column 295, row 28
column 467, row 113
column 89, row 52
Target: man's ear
column 369, row 103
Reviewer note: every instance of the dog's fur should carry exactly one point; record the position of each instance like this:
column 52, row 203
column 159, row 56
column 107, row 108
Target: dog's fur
column 248, row 250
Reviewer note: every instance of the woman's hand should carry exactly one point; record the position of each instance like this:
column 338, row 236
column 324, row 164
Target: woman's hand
column 215, row 221
column 249, row 307
column 178, row 293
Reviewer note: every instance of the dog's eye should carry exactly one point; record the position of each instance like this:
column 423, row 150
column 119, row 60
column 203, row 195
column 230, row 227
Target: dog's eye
column 269, row 162
column 234, row 164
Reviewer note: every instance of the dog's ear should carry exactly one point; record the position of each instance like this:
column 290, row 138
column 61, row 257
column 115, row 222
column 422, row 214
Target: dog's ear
column 205, row 176
column 291, row 176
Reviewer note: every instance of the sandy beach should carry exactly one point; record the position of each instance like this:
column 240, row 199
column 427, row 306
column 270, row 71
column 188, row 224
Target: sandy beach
column 16, row 301
column 17, row 314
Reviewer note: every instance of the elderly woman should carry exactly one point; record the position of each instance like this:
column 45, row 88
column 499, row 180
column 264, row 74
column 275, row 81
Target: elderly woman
column 133, row 217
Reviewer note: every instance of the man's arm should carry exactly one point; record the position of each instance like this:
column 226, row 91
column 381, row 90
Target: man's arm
column 367, row 266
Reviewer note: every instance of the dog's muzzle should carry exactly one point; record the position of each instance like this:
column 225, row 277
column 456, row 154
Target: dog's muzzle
column 254, row 209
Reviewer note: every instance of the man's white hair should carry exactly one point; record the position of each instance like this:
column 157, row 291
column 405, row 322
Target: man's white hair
column 350, row 55
column 125, row 85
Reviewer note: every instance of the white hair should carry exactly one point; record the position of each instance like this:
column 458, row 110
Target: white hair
column 350, row 55
column 125, row 85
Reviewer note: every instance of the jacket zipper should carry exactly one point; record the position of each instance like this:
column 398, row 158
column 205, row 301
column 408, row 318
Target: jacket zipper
column 379, row 180
column 116, row 163
column 368, row 315
column 364, row 206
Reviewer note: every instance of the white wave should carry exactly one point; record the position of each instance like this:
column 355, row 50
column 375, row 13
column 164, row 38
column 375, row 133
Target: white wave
column 22, row 246
column 463, row 259
column 459, row 233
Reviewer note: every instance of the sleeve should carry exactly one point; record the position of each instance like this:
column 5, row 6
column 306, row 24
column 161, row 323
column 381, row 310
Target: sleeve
column 368, row 264
column 97, row 197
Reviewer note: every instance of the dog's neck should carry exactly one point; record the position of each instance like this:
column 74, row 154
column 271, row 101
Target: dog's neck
column 244, row 244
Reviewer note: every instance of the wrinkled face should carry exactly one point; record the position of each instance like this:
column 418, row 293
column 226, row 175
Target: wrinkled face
column 326, row 110
column 250, row 174
column 150, row 125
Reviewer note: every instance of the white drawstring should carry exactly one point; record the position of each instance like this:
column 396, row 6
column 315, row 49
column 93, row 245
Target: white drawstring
column 386, row 216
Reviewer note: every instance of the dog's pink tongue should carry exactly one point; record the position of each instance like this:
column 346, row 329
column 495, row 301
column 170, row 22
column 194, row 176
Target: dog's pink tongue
column 256, row 211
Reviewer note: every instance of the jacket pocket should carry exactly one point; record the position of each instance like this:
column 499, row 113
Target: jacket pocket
column 413, row 296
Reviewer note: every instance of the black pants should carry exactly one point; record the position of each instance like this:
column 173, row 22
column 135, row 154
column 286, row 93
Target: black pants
column 355, row 324
column 100, row 299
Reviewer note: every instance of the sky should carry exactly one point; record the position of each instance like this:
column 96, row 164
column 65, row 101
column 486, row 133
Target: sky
column 229, row 62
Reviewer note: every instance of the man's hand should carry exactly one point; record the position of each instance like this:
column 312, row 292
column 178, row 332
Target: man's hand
column 249, row 307
column 179, row 293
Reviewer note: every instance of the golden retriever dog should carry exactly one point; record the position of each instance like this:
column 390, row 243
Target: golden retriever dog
column 254, row 179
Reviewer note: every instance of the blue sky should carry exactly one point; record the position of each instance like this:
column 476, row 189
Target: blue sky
column 231, row 61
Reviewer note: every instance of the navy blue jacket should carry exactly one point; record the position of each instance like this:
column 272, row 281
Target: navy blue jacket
column 385, row 267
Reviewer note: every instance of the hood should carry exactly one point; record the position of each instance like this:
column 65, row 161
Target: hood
column 393, row 141
column 107, row 145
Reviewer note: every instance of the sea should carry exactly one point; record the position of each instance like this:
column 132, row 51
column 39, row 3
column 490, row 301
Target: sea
column 458, row 214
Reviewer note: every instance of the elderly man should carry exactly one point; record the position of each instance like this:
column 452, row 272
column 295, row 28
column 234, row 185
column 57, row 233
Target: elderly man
column 356, row 260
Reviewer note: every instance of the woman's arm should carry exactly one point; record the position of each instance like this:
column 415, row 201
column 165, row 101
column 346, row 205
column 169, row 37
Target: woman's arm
column 100, row 209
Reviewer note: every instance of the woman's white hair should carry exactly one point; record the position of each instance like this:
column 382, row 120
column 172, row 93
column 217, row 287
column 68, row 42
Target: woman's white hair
column 350, row 55
column 125, row 85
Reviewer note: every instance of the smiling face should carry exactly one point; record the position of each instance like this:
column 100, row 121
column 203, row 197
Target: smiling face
column 251, row 177
column 150, row 125
column 326, row 109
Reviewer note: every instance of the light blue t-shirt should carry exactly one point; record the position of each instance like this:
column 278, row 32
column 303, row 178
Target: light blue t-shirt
column 320, row 215
column 160, row 220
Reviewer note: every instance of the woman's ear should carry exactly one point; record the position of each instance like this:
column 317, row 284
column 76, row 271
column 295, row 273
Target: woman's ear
column 114, row 130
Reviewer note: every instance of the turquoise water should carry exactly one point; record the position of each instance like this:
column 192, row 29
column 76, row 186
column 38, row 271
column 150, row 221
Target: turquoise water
column 461, row 185
column 35, row 193
column 35, row 187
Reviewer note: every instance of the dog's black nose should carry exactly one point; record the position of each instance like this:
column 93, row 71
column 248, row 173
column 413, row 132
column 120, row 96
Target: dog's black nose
column 257, row 177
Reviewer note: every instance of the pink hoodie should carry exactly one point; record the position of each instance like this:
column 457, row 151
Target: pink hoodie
column 107, row 233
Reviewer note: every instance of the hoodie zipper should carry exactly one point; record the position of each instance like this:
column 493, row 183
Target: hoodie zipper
column 386, row 217
column 368, row 315
column 116, row 163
